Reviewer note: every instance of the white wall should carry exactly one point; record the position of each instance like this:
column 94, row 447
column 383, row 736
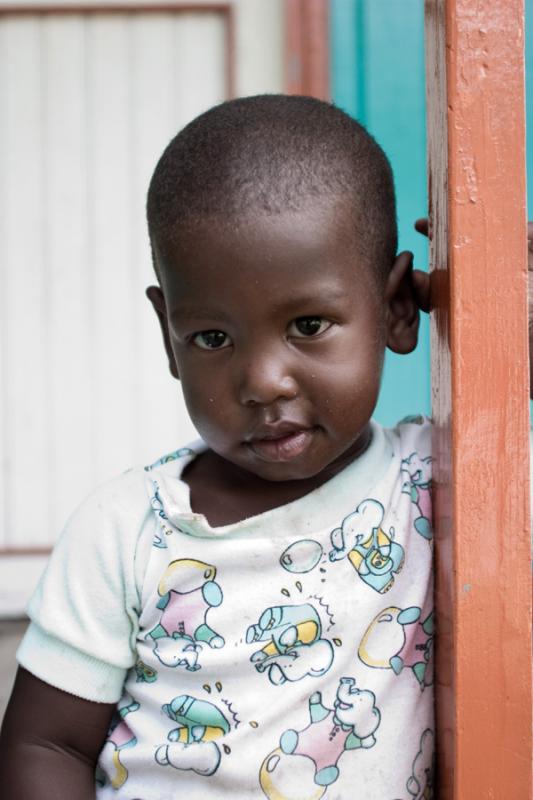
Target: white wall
column 87, row 102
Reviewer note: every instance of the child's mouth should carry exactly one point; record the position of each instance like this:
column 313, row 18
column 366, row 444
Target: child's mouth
column 283, row 447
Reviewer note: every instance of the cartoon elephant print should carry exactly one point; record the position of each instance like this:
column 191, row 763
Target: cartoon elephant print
column 373, row 554
column 350, row 725
column 401, row 639
column 192, row 745
column 417, row 472
column 294, row 647
column 188, row 591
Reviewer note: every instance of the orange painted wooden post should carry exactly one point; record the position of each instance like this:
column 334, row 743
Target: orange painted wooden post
column 307, row 51
column 474, row 52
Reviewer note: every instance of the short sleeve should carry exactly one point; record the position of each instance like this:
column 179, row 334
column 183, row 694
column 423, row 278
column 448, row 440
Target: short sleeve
column 84, row 612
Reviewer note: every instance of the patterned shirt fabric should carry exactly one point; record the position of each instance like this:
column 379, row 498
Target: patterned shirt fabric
column 287, row 656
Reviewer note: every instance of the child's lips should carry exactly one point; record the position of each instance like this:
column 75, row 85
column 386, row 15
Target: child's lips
column 282, row 447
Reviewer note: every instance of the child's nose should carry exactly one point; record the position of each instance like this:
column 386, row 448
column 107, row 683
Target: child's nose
column 266, row 378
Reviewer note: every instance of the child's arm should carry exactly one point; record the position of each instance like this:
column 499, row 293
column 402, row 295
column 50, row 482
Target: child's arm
column 50, row 742
column 79, row 646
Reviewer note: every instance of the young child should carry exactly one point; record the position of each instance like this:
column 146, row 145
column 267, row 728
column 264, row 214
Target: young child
column 251, row 615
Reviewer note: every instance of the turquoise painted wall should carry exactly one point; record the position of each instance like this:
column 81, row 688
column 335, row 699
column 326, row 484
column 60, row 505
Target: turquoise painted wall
column 377, row 68
column 377, row 52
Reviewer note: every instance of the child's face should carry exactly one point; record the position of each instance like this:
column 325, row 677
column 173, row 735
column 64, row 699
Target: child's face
column 277, row 330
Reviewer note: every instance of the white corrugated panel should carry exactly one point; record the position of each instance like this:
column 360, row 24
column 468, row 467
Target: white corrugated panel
column 87, row 103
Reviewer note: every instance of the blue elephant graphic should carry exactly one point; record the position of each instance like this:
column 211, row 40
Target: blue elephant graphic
column 294, row 647
column 192, row 744
column 374, row 554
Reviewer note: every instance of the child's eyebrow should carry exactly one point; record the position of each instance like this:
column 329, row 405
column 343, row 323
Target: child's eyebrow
column 185, row 312
column 291, row 304
column 297, row 304
column 318, row 297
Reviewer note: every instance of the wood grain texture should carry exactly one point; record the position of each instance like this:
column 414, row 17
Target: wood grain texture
column 480, row 397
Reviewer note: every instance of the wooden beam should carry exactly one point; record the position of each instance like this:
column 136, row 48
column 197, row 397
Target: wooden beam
column 475, row 80
column 307, row 48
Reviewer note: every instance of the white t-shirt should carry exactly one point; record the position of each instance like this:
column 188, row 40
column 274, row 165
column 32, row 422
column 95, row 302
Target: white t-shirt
column 288, row 655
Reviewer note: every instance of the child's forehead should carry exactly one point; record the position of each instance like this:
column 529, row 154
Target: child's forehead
column 322, row 229
column 263, row 264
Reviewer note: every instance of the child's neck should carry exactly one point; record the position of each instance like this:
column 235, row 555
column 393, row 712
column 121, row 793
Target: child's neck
column 225, row 494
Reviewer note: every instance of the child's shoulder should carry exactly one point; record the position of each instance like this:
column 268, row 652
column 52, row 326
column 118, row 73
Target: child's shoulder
column 127, row 497
column 121, row 508
column 109, row 522
column 122, row 495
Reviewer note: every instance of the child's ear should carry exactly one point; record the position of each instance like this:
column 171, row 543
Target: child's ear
column 402, row 307
column 157, row 299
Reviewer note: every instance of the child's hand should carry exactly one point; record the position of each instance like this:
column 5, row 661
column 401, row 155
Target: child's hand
column 422, row 287
column 422, row 226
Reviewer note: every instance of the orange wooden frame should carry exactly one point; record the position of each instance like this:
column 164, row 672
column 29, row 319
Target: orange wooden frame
column 307, row 48
column 476, row 138
column 225, row 9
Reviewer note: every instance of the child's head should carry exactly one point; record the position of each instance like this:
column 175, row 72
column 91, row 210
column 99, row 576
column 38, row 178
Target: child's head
column 272, row 154
column 273, row 231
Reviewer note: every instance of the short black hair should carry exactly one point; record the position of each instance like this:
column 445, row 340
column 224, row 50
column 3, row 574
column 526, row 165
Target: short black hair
column 272, row 153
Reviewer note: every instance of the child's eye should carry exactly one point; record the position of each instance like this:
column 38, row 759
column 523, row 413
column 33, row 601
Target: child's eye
column 211, row 340
column 308, row 326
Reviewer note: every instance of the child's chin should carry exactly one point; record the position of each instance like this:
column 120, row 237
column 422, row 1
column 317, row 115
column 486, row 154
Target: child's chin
column 295, row 470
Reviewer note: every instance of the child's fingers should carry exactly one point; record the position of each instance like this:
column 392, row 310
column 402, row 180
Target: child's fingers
column 422, row 226
column 421, row 279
